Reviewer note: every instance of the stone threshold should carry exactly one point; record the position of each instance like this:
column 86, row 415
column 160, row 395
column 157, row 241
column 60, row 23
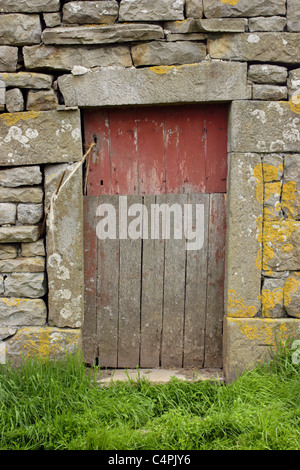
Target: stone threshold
column 159, row 376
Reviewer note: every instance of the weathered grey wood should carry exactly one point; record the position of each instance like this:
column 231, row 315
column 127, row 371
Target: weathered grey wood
column 152, row 296
column 129, row 298
column 89, row 336
column 107, row 294
column 195, row 295
column 174, row 294
column 215, row 281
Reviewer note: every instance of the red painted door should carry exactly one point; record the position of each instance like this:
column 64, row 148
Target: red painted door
column 150, row 302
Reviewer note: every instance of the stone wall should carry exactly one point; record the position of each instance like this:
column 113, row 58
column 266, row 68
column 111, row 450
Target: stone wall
column 59, row 57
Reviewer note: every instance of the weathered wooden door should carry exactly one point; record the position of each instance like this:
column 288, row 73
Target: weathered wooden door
column 150, row 301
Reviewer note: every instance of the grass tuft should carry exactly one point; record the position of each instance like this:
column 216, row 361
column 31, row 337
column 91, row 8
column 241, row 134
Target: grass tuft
column 58, row 405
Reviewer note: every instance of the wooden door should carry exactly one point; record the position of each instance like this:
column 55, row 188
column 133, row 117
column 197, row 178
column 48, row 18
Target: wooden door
column 149, row 301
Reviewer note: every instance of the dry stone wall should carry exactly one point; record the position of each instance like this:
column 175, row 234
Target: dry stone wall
column 58, row 57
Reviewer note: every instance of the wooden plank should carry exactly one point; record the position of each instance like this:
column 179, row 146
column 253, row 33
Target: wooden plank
column 89, row 331
column 215, row 281
column 129, row 298
column 216, row 148
column 195, row 296
column 123, row 152
column 155, row 150
column 150, row 144
column 174, row 292
column 191, row 150
column 107, row 294
column 97, row 130
column 152, row 296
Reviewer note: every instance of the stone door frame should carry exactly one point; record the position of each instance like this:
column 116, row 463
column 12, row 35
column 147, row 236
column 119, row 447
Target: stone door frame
column 258, row 131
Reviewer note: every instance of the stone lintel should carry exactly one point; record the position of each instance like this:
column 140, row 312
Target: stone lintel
column 213, row 81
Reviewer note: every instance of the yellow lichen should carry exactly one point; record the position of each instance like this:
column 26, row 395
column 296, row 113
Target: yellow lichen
column 267, row 331
column 290, row 198
column 11, row 119
column 236, row 306
column 291, row 287
column 295, row 104
column 270, row 299
column 230, row 2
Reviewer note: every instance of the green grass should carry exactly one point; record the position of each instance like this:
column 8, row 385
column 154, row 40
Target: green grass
column 56, row 405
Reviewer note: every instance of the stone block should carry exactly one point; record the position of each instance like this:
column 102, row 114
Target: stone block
column 42, row 100
column 65, row 58
column 52, row 19
column 30, row 214
column 43, row 342
column 294, row 83
column 273, row 23
column 292, row 295
column 102, row 34
column 194, row 8
column 192, row 25
column 22, row 312
column 96, row 12
column 8, row 251
column 33, row 249
column 264, row 127
column 151, row 10
column 14, row 100
column 23, row 176
column 249, row 342
column 269, row 92
column 168, row 53
column 281, row 245
column 243, row 245
column 8, row 58
column 2, row 95
column 272, row 167
column 26, row 194
column 267, row 74
column 243, row 8
column 23, row 265
column 20, row 30
column 290, row 197
column 206, row 81
column 64, row 247
column 293, row 15
column 256, row 47
column 185, row 37
column 7, row 213
column 19, row 234
column 272, row 201
column 5, row 332
column 28, row 285
column 272, row 298
column 40, row 137
column 27, row 80
column 28, row 6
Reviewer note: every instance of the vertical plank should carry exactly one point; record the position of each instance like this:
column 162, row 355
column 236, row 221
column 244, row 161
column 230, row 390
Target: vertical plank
column 129, row 298
column 174, row 292
column 123, row 151
column 99, row 174
column 192, row 150
column 107, row 294
column 215, row 281
column 152, row 296
column 216, row 148
column 195, row 297
column 150, row 142
column 89, row 331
